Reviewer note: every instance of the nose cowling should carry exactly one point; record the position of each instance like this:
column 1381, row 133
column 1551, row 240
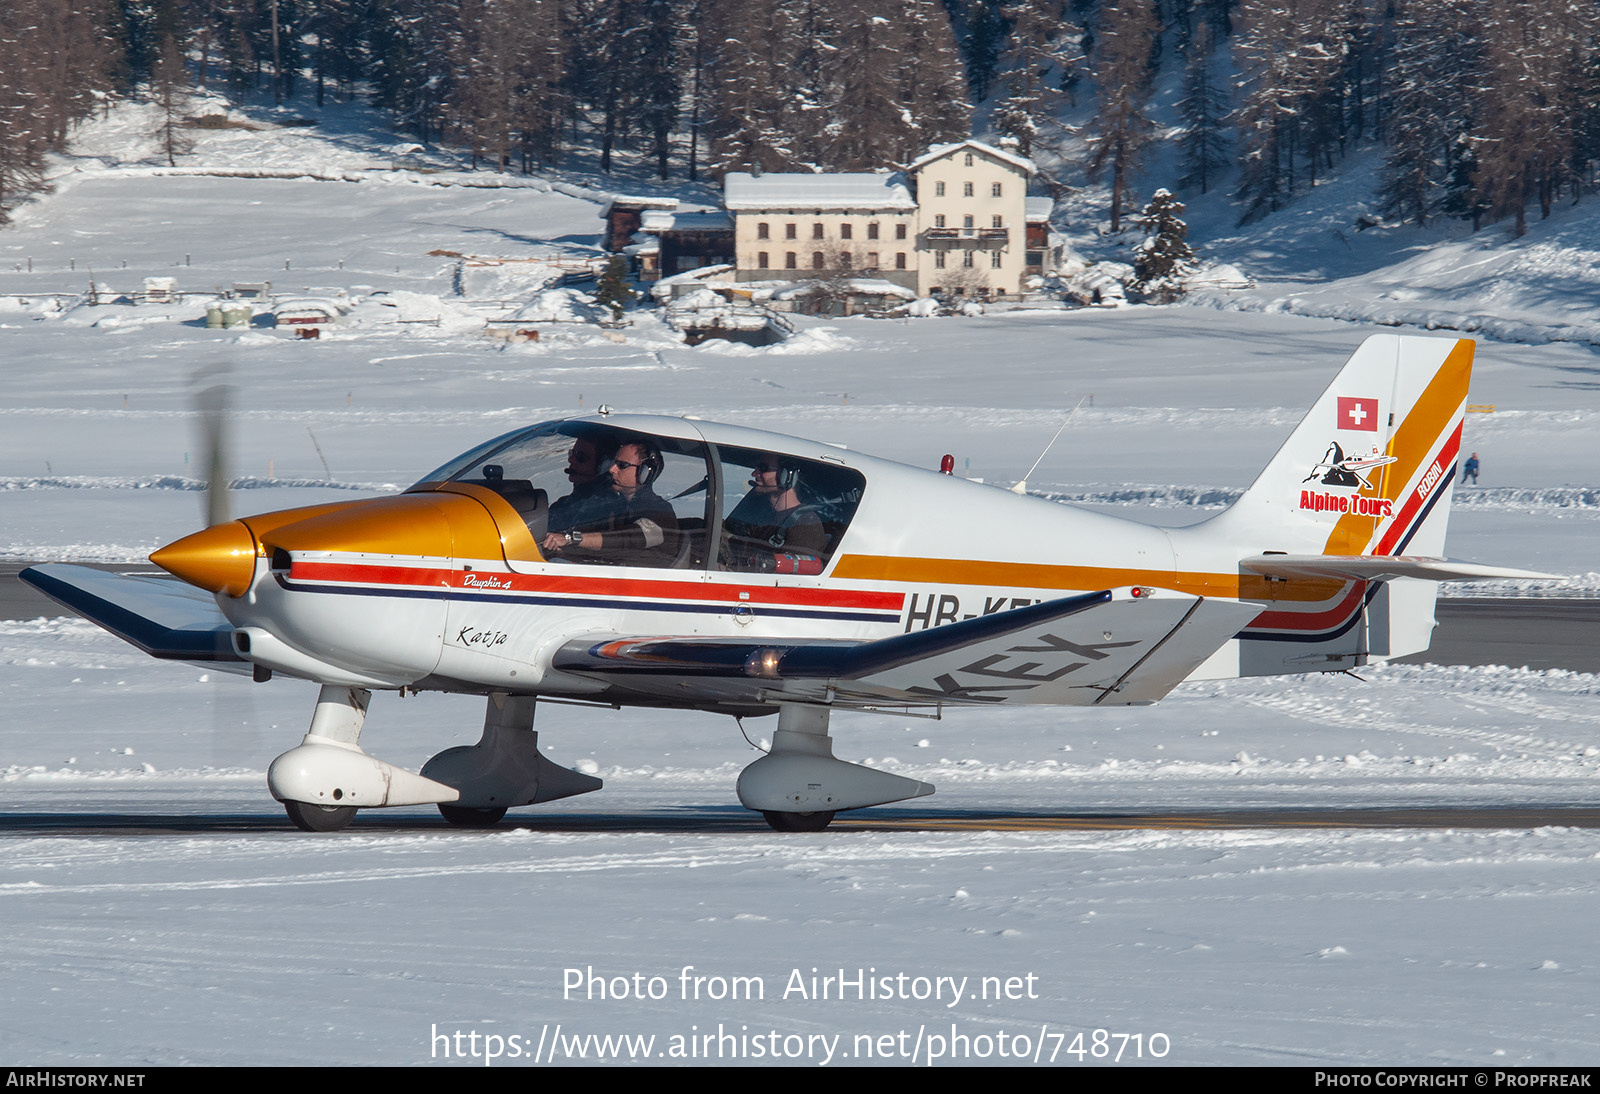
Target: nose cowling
column 220, row 559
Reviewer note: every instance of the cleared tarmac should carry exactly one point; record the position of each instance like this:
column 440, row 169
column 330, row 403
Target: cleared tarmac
column 734, row 821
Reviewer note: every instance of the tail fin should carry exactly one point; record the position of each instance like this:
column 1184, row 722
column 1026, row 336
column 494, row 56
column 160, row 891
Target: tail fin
column 1369, row 469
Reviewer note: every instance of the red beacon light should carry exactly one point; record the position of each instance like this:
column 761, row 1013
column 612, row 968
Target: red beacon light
column 947, row 466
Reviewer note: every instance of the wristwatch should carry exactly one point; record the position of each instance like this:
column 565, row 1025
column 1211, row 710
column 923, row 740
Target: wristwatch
column 575, row 539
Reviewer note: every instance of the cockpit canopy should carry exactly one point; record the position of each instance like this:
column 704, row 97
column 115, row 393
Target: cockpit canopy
column 718, row 507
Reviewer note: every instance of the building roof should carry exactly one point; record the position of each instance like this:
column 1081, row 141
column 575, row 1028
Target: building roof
column 1022, row 163
column 654, row 220
column 635, row 202
column 859, row 190
column 1038, row 209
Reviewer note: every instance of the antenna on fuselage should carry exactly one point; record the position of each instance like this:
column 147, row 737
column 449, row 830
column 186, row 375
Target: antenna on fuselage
column 1022, row 485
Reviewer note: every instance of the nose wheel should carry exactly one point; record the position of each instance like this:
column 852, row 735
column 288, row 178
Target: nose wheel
column 310, row 817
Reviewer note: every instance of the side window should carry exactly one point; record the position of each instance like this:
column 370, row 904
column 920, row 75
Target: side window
column 636, row 500
column 783, row 514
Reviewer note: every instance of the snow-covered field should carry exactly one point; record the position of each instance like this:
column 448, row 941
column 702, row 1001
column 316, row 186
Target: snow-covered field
column 158, row 909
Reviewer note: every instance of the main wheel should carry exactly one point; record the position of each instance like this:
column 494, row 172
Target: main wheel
column 464, row 817
column 798, row 822
column 310, row 817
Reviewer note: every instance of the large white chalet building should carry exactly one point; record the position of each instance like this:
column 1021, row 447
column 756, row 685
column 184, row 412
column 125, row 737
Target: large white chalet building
column 956, row 220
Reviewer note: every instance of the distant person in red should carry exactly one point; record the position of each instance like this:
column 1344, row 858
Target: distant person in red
column 1469, row 470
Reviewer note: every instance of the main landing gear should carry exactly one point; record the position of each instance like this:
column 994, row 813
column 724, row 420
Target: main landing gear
column 324, row 780
column 798, row 786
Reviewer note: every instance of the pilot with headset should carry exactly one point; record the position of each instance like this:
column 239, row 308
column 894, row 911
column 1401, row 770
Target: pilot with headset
column 641, row 530
column 592, row 498
column 771, row 530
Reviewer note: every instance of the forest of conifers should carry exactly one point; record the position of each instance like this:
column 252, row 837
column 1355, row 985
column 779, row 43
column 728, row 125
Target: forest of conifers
column 1484, row 111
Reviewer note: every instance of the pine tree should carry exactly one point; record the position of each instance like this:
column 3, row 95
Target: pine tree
column 56, row 61
column 658, row 90
column 1164, row 256
column 169, row 90
column 1122, row 128
column 1039, row 66
column 983, row 42
column 932, row 84
column 612, row 291
column 747, row 124
column 1204, row 143
column 868, row 132
column 1426, row 114
column 1534, row 58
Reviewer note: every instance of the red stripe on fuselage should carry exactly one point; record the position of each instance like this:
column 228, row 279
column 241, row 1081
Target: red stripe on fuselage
column 1312, row 621
column 500, row 581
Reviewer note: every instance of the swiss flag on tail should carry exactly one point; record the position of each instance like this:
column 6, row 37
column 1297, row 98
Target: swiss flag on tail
column 1358, row 413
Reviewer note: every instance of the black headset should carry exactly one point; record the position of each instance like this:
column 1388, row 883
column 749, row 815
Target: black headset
column 650, row 466
column 788, row 476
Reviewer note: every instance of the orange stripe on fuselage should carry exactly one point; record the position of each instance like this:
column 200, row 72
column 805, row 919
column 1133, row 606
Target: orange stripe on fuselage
column 1033, row 575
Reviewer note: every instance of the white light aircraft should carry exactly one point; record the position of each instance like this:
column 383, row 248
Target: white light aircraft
column 627, row 560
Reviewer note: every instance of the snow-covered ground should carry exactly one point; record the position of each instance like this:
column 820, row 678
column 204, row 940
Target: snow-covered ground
column 193, row 926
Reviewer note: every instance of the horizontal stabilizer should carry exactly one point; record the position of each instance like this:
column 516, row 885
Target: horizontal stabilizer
column 1116, row 646
column 163, row 616
column 1383, row 568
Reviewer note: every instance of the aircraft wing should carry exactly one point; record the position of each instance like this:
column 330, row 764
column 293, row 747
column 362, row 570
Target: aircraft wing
column 1111, row 647
column 163, row 616
column 1382, row 568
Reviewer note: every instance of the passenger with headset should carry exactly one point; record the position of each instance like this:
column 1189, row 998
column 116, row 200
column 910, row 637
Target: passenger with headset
column 642, row 530
column 772, row 530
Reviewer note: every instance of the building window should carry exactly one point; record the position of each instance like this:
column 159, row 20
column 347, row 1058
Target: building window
column 788, row 231
column 817, row 261
column 761, row 261
column 789, row 261
column 995, row 221
column 816, row 231
column 845, row 260
column 966, row 189
column 969, row 159
column 994, row 191
column 872, row 230
column 846, row 231
column 872, row 260
column 966, row 221
column 938, row 260
column 994, row 259
column 938, row 189
column 966, row 259
column 900, row 260
column 899, row 231
column 762, row 231
column 938, row 220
